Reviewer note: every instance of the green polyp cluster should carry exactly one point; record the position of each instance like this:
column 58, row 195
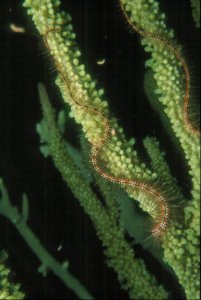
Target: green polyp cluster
column 167, row 72
column 8, row 290
column 73, row 79
column 57, row 30
column 146, row 14
column 181, row 249
column 182, row 253
column 60, row 39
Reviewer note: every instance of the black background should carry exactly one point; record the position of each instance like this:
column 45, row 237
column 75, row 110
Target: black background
column 55, row 216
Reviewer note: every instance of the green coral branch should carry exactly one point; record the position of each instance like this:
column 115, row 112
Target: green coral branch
column 131, row 271
column 121, row 159
column 8, row 290
column 181, row 249
column 48, row 262
column 167, row 73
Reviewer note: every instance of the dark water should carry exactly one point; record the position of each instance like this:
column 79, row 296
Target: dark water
column 55, row 216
